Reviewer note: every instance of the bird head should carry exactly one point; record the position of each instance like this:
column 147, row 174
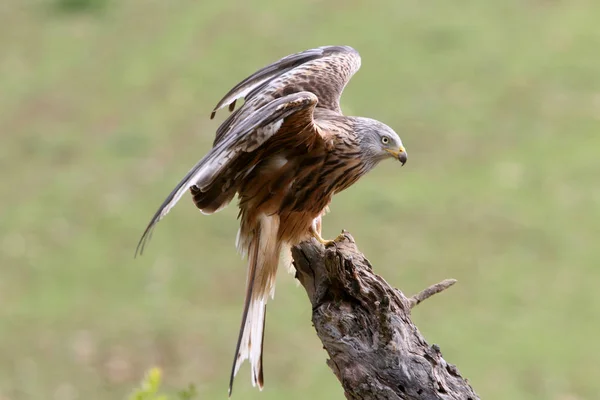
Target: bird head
column 379, row 142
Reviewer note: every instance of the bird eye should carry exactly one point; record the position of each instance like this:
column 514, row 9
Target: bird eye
column 385, row 140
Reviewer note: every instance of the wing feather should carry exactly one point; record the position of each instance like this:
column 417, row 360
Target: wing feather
column 324, row 71
column 263, row 75
column 245, row 136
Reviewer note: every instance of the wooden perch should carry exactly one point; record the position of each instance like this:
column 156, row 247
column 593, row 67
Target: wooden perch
column 375, row 350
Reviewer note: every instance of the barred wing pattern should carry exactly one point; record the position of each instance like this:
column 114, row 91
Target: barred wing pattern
column 246, row 136
column 324, row 71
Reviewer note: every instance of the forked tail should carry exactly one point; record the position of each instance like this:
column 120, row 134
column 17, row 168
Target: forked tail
column 263, row 258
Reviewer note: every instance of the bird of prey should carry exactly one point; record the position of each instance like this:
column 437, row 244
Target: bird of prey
column 285, row 152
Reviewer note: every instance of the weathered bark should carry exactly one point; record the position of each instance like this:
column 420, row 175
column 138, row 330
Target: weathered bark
column 375, row 350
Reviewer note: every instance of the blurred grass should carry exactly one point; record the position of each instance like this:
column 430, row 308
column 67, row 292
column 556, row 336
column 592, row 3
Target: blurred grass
column 78, row 6
column 498, row 104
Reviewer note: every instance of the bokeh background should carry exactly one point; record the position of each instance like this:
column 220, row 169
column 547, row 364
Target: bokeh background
column 104, row 105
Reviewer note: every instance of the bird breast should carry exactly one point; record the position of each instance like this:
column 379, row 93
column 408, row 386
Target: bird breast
column 298, row 186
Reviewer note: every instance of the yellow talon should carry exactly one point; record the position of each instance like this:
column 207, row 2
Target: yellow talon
column 317, row 236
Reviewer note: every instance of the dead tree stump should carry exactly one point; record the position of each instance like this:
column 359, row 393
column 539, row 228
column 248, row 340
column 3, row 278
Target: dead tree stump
column 375, row 350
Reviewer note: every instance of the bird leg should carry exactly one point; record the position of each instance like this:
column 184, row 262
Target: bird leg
column 317, row 236
column 315, row 230
column 317, row 224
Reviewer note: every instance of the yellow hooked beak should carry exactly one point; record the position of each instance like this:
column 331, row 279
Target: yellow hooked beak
column 400, row 154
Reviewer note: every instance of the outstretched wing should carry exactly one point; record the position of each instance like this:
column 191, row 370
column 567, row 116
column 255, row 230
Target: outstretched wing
column 296, row 84
column 245, row 136
column 324, row 71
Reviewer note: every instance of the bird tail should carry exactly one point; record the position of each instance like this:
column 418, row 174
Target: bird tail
column 263, row 257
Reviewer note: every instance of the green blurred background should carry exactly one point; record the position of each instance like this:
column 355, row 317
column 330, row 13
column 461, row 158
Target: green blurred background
column 104, row 106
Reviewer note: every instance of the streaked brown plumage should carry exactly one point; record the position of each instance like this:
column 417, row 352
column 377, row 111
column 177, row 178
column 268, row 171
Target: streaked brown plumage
column 286, row 151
